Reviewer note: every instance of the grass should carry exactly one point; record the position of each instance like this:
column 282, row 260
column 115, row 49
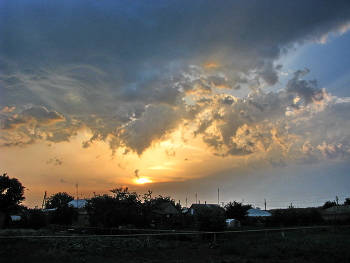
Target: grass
column 321, row 246
column 327, row 246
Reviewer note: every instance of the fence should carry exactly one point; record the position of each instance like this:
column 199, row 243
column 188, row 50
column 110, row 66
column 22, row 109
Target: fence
column 93, row 232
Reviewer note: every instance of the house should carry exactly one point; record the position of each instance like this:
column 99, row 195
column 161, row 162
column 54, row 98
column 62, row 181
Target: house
column 336, row 213
column 79, row 203
column 167, row 216
column 258, row 213
column 257, row 217
column 83, row 218
column 196, row 209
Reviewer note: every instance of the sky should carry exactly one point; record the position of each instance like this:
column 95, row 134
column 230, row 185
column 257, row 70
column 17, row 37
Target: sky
column 203, row 101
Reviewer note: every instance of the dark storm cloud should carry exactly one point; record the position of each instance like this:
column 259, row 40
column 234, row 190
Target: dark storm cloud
column 122, row 70
column 304, row 89
column 37, row 115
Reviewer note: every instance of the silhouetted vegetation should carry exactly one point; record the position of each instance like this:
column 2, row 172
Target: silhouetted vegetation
column 311, row 245
column 210, row 221
column 58, row 200
column 33, row 219
column 294, row 217
column 11, row 193
column 237, row 210
column 124, row 209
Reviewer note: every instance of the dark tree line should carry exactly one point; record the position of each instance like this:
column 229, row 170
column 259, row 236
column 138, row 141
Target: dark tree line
column 128, row 209
column 124, row 208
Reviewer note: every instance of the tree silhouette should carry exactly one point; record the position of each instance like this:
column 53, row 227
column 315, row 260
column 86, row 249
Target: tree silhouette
column 236, row 210
column 329, row 204
column 11, row 193
column 58, row 200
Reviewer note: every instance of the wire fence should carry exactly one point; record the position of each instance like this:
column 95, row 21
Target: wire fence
column 90, row 232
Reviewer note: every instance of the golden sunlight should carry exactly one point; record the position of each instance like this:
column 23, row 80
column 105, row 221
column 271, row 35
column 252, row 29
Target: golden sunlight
column 142, row 181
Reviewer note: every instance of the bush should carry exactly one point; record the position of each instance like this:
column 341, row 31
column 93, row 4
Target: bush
column 33, row 219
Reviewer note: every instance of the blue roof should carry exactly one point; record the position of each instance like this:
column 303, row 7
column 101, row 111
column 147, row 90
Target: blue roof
column 80, row 203
column 257, row 212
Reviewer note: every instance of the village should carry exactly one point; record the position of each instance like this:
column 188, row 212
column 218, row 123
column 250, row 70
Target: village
column 127, row 210
column 123, row 226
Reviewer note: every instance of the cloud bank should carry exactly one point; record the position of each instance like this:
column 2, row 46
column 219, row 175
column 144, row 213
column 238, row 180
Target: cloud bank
column 134, row 73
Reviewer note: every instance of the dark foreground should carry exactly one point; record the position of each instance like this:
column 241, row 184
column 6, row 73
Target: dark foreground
column 319, row 245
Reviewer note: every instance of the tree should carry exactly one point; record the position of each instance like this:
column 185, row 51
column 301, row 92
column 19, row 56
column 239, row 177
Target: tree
column 33, row 219
column 11, row 193
column 208, row 220
column 58, row 200
column 124, row 208
column 63, row 214
column 236, row 210
column 295, row 217
column 102, row 211
column 347, row 201
column 329, row 204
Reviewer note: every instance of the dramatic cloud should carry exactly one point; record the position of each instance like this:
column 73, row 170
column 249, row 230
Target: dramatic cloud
column 135, row 73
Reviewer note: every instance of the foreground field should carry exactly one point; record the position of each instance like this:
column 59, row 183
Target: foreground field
column 318, row 245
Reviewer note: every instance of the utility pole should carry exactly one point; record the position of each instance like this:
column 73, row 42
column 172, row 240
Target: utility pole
column 196, row 198
column 77, row 193
column 218, row 196
column 44, row 200
column 265, row 203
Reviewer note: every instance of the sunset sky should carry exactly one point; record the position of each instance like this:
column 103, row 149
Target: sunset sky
column 178, row 97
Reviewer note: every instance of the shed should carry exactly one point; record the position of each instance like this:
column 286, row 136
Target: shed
column 233, row 223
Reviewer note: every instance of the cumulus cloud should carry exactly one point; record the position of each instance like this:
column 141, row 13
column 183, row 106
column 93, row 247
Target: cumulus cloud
column 134, row 73
column 305, row 89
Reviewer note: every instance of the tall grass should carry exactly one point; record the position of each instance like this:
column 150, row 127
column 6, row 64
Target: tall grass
column 327, row 246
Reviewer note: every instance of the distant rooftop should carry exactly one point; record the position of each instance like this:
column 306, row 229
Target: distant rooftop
column 80, row 203
column 257, row 212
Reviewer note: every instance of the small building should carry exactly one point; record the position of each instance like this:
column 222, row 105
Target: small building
column 196, row 209
column 167, row 216
column 233, row 223
column 336, row 213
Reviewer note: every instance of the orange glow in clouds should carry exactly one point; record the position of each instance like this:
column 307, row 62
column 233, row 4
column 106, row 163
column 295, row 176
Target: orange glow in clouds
column 142, row 181
column 211, row 65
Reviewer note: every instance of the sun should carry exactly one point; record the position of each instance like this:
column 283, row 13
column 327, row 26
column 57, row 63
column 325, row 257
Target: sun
column 142, row 180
